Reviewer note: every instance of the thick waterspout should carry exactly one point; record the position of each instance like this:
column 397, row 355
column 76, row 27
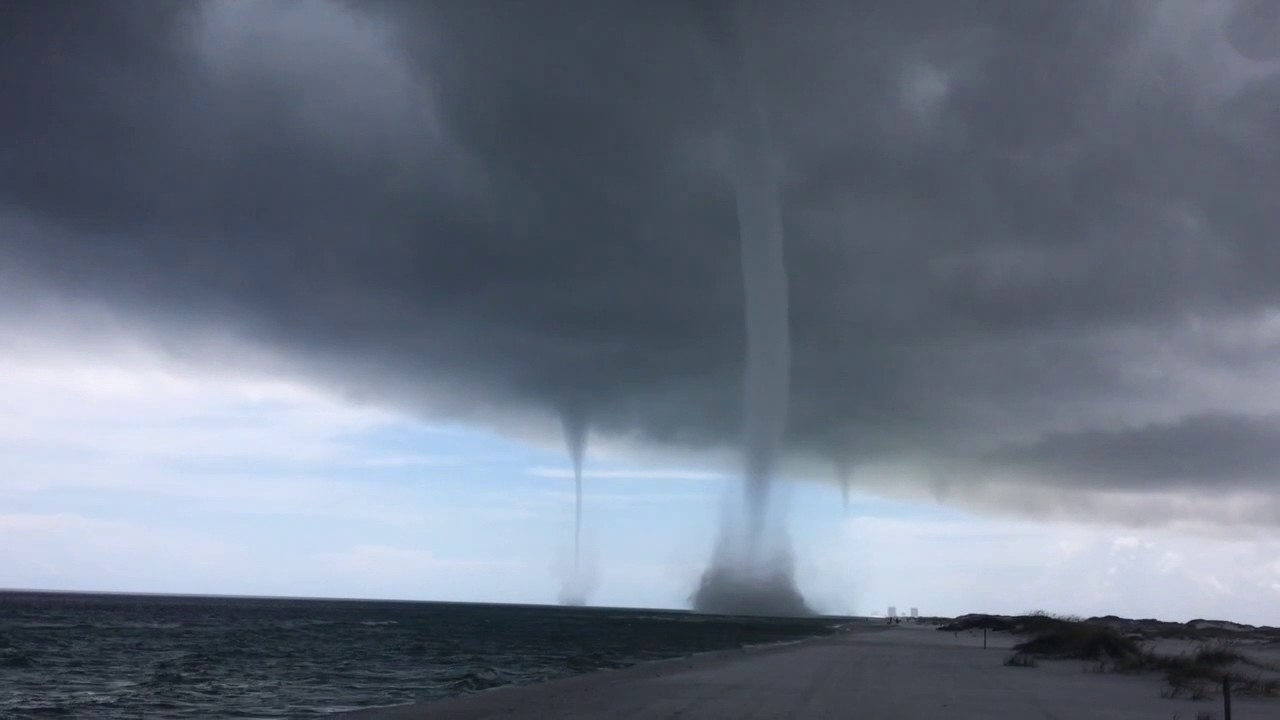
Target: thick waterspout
column 745, row 576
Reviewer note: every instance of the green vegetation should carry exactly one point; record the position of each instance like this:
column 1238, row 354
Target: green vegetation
column 980, row 622
column 1076, row 640
column 1051, row 636
column 1217, row 654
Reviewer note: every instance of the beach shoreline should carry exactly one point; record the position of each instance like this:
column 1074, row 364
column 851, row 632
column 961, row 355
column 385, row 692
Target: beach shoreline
column 649, row 669
column 874, row 671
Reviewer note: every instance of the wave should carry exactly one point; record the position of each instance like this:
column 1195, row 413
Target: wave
column 16, row 659
column 252, row 658
column 166, row 677
column 477, row 679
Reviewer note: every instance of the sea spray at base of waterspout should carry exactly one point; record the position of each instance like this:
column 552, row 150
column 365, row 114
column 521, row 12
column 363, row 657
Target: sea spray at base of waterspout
column 750, row 591
column 750, row 578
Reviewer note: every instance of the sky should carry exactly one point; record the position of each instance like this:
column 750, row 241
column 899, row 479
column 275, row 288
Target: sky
column 294, row 295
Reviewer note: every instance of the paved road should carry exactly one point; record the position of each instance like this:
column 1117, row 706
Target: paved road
column 892, row 673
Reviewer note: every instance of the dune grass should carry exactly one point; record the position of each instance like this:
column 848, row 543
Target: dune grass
column 1080, row 641
column 1218, row 654
column 1021, row 660
column 1197, row 675
column 1051, row 636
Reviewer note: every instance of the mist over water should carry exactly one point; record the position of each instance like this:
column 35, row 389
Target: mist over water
column 751, row 571
column 576, row 583
column 750, row 575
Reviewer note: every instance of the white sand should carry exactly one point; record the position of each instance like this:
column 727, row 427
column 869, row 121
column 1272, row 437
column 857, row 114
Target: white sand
column 900, row 672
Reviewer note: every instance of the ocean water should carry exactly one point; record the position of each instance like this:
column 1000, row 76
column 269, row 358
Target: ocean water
column 129, row 656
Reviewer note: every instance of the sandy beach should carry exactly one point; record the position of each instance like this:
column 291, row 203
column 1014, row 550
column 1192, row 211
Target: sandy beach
column 911, row 672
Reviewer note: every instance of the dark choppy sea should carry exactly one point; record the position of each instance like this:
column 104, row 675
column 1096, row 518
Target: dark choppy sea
column 128, row 656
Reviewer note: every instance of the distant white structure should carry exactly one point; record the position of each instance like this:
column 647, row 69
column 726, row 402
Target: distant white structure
column 893, row 611
column 915, row 612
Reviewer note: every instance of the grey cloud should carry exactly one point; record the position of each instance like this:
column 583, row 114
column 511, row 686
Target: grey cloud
column 982, row 201
column 1195, row 452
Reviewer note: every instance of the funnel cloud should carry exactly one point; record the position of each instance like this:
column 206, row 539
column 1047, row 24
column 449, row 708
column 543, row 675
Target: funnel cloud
column 743, row 577
column 842, row 476
column 574, row 423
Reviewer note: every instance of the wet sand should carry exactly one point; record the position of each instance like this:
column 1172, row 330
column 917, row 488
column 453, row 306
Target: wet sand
column 900, row 672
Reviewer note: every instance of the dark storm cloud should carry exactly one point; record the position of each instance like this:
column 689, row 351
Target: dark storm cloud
column 529, row 207
column 1231, row 451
